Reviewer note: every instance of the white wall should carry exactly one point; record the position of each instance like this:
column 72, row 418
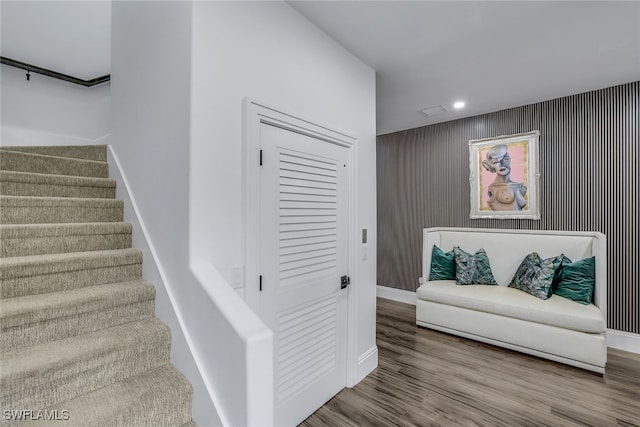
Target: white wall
column 268, row 51
column 150, row 137
column 71, row 37
column 179, row 74
column 46, row 111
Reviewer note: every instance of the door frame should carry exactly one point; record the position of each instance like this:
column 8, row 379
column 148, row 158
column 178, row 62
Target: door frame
column 254, row 114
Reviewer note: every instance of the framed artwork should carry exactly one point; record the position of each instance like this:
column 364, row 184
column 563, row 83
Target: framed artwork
column 504, row 177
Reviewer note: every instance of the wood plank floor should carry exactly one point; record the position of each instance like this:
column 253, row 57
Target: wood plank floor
column 428, row 378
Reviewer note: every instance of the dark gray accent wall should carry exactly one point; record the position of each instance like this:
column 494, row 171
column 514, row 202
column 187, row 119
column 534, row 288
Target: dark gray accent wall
column 589, row 180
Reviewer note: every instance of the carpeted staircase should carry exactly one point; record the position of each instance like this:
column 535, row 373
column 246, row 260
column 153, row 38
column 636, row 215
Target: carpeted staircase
column 78, row 339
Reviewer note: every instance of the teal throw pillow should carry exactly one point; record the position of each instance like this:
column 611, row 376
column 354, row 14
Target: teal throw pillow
column 443, row 265
column 564, row 260
column 577, row 280
column 473, row 269
column 535, row 275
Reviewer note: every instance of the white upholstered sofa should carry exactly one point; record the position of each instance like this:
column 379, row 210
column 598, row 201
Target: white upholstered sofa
column 557, row 329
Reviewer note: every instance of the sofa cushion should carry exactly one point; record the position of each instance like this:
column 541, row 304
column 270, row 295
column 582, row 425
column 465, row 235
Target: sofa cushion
column 473, row 269
column 510, row 302
column 535, row 275
column 443, row 265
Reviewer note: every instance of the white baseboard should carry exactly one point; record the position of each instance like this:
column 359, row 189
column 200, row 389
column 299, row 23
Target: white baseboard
column 367, row 362
column 400, row 295
column 615, row 339
column 623, row 341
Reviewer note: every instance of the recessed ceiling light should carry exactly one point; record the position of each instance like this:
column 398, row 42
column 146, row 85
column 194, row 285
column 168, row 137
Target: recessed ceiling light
column 458, row 104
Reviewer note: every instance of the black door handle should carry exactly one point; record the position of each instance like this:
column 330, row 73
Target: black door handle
column 345, row 281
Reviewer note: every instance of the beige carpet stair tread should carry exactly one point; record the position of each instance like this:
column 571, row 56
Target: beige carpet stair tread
column 39, row 274
column 25, row 231
column 160, row 397
column 40, row 163
column 53, row 317
column 43, row 178
column 37, row 239
column 41, row 210
column 189, row 424
column 86, row 152
column 38, row 308
column 47, row 185
column 50, row 362
column 51, row 202
column 54, row 263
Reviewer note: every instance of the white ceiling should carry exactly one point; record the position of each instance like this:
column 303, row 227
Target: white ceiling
column 492, row 55
column 70, row 37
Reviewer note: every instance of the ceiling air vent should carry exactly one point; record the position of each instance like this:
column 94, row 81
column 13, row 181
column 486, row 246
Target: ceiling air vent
column 434, row 110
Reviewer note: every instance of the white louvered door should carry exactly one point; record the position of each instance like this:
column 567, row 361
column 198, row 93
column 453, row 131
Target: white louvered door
column 303, row 254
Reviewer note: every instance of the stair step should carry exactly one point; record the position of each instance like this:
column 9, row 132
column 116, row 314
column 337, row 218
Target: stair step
column 36, row 319
column 86, row 152
column 39, row 163
column 47, row 185
column 38, row 274
column 39, row 239
column 161, row 397
column 42, row 210
column 50, row 373
column 78, row 334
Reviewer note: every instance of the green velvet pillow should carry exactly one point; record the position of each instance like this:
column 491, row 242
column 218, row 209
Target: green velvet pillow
column 535, row 275
column 563, row 261
column 577, row 280
column 473, row 269
column 443, row 265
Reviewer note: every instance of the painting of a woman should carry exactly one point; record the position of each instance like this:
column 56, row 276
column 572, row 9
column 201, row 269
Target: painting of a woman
column 503, row 193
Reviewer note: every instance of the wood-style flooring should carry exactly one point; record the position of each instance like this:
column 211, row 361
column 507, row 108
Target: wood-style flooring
column 429, row 378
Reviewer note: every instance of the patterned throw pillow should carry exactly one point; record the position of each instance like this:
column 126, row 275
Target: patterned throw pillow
column 443, row 266
column 473, row 269
column 577, row 280
column 535, row 275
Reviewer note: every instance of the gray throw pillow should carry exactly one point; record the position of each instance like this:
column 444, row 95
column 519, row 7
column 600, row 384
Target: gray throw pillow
column 473, row 269
column 535, row 275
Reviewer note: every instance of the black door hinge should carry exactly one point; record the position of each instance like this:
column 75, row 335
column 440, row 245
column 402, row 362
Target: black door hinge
column 260, row 281
column 345, row 281
column 260, row 157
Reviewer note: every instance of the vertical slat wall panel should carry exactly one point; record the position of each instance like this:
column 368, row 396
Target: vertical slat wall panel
column 589, row 167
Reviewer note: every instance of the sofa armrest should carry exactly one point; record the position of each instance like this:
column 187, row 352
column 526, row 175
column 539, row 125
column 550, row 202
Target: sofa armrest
column 430, row 237
column 599, row 248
